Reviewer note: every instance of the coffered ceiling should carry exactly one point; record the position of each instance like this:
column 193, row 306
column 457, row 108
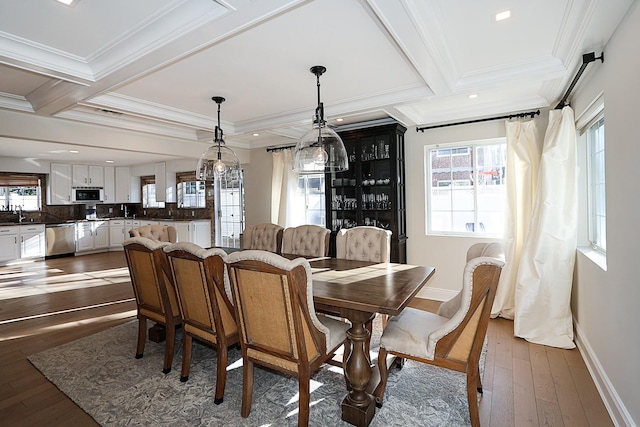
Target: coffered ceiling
column 152, row 66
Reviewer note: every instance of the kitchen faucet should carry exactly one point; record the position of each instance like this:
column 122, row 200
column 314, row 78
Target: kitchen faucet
column 18, row 211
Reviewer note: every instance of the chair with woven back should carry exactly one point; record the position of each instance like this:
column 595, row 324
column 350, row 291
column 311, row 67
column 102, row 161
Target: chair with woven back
column 279, row 328
column 154, row 293
column 306, row 240
column 160, row 233
column 204, row 297
column 453, row 341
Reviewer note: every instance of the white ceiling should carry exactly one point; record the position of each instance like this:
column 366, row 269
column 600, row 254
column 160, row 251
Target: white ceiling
column 152, row 66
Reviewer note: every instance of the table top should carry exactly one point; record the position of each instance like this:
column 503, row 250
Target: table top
column 340, row 284
column 366, row 286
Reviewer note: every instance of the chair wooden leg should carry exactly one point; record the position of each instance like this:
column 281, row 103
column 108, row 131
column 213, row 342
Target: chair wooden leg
column 378, row 393
column 303, row 403
column 221, row 374
column 247, row 387
column 187, row 343
column 142, row 336
column 478, row 380
column 472, row 398
column 169, row 348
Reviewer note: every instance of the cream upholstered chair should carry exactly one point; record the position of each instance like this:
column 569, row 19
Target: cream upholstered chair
column 204, row 297
column 160, row 233
column 364, row 243
column 449, row 308
column 155, row 296
column 264, row 237
column 306, row 240
column 454, row 343
column 278, row 325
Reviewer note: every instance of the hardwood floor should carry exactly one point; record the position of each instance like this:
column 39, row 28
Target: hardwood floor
column 48, row 303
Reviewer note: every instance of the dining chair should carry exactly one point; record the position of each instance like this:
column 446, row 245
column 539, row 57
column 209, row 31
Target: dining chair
column 160, row 233
column 264, row 237
column 306, row 240
column 279, row 328
column 364, row 243
column 204, row 298
column 154, row 293
column 453, row 343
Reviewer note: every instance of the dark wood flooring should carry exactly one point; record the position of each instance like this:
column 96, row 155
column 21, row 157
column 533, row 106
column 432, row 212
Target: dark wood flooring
column 47, row 303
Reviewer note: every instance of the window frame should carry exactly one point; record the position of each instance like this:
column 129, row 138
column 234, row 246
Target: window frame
column 456, row 183
column 145, row 181
column 321, row 194
column 184, row 178
column 17, row 181
column 597, row 237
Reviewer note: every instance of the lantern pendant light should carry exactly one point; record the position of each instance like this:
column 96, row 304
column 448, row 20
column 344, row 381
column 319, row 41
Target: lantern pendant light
column 321, row 149
column 218, row 160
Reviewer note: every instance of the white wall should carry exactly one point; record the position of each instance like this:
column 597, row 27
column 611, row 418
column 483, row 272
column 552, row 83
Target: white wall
column 605, row 303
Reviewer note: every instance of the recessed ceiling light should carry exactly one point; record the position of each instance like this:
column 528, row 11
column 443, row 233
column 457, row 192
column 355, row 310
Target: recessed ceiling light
column 74, row 151
column 501, row 16
column 256, row 134
column 339, row 119
column 67, row 2
column 473, row 96
column 108, row 161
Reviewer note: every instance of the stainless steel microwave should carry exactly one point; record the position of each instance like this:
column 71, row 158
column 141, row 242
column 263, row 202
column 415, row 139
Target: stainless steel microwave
column 87, row 194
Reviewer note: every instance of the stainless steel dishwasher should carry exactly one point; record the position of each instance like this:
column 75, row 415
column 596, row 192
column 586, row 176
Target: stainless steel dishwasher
column 61, row 239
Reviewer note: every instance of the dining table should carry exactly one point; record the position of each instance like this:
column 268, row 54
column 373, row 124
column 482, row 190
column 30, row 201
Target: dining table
column 357, row 290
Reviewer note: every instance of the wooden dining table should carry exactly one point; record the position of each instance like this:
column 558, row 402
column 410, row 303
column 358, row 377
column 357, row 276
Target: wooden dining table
column 357, row 290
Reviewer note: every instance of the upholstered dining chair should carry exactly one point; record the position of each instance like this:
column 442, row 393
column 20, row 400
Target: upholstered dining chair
column 306, row 240
column 160, row 233
column 453, row 343
column 203, row 291
column 154, row 293
column 264, row 237
column 364, row 243
column 279, row 328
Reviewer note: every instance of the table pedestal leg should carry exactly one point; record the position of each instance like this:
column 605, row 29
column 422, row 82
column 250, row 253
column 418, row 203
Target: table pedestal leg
column 359, row 406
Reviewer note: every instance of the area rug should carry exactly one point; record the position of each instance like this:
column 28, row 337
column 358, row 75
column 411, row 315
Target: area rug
column 102, row 376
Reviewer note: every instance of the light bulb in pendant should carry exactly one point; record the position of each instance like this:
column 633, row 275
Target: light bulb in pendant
column 320, row 156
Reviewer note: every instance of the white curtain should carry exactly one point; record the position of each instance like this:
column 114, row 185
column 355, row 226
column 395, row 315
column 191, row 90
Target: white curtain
column 545, row 273
column 523, row 158
column 285, row 198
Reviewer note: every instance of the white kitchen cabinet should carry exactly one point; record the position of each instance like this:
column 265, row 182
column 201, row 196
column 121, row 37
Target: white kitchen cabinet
column 92, row 235
column 88, row 176
column 201, row 233
column 9, row 246
column 116, row 233
column 182, row 230
column 32, row 241
column 109, row 184
column 123, row 184
column 60, row 184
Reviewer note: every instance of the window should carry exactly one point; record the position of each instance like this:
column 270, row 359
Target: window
column 466, row 188
column 20, row 192
column 229, row 202
column 596, row 192
column 311, row 190
column 149, row 193
column 191, row 192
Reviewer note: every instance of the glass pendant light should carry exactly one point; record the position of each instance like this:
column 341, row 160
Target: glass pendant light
column 320, row 149
column 217, row 160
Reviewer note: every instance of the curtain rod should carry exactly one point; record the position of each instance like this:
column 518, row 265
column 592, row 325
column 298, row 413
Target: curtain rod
column 280, row 148
column 587, row 58
column 510, row 116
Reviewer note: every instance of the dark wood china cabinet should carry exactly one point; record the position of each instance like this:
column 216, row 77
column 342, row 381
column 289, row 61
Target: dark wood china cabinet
column 372, row 191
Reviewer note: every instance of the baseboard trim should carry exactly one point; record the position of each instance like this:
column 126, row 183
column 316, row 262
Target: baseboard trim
column 437, row 294
column 617, row 411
